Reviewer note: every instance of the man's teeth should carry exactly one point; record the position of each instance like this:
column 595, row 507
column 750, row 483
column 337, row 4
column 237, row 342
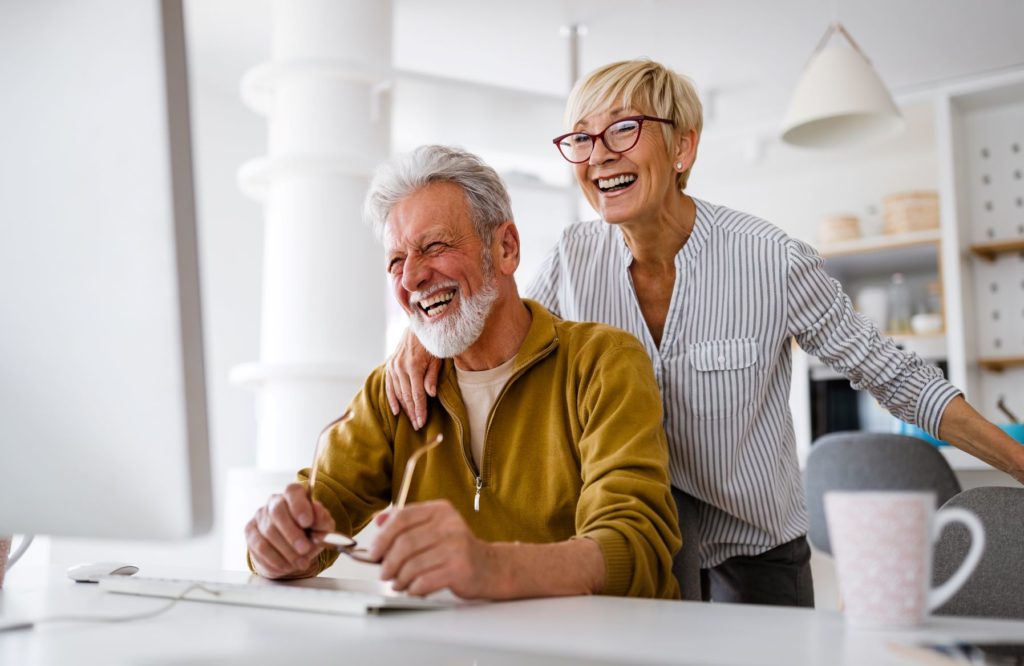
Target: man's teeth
column 617, row 181
column 436, row 304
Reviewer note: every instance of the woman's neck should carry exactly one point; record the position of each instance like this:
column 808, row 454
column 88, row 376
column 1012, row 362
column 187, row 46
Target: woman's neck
column 654, row 243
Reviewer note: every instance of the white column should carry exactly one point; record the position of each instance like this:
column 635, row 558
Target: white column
column 323, row 291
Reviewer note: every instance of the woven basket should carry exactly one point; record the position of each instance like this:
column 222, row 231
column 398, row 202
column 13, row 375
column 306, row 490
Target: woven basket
column 838, row 228
column 906, row 212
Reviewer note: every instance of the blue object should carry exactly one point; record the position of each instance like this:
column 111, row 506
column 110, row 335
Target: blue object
column 914, row 431
column 1015, row 430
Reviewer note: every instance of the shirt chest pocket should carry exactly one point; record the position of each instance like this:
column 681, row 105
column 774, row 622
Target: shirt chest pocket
column 722, row 377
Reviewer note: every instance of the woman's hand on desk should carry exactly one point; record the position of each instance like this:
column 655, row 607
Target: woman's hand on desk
column 427, row 546
column 278, row 543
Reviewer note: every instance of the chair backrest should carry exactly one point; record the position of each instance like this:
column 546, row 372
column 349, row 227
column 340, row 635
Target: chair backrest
column 871, row 461
column 996, row 588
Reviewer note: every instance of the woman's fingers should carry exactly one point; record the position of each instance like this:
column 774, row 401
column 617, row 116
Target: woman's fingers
column 430, row 380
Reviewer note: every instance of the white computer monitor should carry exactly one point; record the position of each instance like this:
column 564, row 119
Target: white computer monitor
column 103, row 429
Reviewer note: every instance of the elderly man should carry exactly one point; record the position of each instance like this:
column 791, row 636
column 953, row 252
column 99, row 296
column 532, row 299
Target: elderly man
column 552, row 475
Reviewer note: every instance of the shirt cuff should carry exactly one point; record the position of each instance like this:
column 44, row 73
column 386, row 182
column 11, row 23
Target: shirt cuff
column 932, row 403
column 618, row 561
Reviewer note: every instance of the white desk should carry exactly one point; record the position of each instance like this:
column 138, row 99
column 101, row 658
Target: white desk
column 553, row 631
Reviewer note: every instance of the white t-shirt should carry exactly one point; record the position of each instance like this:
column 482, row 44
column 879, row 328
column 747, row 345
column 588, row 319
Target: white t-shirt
column 480, row 390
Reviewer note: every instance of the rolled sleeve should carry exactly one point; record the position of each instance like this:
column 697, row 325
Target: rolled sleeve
column 618, row 560
column 932, row 403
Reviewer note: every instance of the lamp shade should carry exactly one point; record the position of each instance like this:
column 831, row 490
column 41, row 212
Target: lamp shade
column 839, row 101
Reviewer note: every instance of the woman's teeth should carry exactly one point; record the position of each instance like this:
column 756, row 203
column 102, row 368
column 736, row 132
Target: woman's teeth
column 616, row 183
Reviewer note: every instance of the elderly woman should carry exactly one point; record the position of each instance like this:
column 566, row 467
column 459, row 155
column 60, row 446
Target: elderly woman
column 715, row 296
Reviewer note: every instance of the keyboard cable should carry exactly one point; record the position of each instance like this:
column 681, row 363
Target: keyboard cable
column 29, row 624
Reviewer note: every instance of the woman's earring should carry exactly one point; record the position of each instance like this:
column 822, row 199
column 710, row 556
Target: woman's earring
column 679, row 166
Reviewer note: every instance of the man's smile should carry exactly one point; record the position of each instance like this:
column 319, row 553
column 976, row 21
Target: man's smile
column 436, row 303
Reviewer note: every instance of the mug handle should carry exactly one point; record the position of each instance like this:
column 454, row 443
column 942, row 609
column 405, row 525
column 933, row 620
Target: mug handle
column 940, row 595
column 26, row 541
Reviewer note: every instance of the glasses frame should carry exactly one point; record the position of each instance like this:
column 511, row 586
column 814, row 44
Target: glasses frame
column 346, row 544
column 594, row 137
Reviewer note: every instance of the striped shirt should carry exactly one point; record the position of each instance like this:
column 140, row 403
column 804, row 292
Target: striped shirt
column 743, row 289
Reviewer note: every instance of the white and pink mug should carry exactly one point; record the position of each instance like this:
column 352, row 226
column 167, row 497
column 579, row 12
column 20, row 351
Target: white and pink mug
column 7, row 558
column 882, row 542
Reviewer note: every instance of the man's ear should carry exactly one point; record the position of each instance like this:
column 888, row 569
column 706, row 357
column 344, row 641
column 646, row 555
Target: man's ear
column 506, row 248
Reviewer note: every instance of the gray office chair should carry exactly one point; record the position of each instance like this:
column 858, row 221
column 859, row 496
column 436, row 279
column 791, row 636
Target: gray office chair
column 996, row 588
column 871, row 461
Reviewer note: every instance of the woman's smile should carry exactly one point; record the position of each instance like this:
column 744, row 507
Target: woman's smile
column 614, row 184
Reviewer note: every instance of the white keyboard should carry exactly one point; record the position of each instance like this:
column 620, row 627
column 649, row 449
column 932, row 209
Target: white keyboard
column 316, row 595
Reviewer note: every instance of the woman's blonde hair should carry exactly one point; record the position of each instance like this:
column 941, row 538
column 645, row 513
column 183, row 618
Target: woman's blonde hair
column 644, row 85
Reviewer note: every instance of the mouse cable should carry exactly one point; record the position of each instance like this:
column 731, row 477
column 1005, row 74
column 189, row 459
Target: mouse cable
column 28, row 624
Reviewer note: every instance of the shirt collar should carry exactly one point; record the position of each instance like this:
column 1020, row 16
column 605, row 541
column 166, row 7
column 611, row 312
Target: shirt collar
column 691, row 249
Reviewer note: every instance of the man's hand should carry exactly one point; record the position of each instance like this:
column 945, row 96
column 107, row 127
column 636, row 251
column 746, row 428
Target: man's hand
column 410, row 375
column 427, row 547
column 278, row 545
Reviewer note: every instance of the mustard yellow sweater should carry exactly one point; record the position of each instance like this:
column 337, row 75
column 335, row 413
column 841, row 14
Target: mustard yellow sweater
column 574, row 448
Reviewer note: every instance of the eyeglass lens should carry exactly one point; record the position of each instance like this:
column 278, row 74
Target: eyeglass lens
column 618, row 137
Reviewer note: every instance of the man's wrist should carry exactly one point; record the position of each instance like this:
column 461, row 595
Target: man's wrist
column 498, row 558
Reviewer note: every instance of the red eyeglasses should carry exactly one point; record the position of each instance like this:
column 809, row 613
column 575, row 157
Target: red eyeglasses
column 619, row 137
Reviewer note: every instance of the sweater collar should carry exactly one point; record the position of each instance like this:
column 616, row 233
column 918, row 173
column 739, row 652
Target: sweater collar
column 540, row 341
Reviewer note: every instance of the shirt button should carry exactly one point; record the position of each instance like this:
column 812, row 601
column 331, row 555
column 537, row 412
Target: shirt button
column 721, row 359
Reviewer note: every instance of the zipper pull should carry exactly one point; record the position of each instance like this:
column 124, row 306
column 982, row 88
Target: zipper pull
column 476, row 499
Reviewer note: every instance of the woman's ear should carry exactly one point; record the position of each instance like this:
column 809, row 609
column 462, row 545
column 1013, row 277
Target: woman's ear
column 506, row 238
column 685, row 149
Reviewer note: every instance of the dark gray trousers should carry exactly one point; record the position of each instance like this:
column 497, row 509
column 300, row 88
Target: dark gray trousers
column 778, row 577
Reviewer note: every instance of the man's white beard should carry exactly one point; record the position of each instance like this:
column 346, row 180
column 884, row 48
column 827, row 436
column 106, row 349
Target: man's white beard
column 457, row 332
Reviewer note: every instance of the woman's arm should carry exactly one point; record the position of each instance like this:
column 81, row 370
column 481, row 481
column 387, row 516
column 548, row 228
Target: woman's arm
column 823, row 320
column 963, row 427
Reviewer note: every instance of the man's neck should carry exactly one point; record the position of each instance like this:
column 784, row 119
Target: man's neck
column 503, row 335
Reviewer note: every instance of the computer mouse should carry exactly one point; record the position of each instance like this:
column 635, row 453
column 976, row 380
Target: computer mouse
column 92, row 572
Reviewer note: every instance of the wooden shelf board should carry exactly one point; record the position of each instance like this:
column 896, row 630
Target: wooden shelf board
column 883, row 255
column 880, row 243
column 1000, row 364
column 989, row 251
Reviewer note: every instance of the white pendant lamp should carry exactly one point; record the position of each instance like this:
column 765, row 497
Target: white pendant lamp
column 840, row 100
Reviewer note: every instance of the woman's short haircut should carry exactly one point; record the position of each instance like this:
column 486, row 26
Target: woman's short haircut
column 404, row 175
column 642, row 84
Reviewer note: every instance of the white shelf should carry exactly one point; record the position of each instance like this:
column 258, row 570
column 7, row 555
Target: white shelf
column 929, row 347
column 960, row 460
column 883, row 254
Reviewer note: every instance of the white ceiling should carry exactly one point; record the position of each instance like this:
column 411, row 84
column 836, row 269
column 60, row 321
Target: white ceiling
column 744, row 55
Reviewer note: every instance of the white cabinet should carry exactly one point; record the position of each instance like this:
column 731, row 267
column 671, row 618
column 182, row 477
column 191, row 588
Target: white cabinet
column 981, row 143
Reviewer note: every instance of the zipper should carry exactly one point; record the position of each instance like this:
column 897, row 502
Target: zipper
column 479, row 475
column 465, row 456
column 485, row 464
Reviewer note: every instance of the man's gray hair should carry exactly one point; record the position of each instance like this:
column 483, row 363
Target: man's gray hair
column 406, row 174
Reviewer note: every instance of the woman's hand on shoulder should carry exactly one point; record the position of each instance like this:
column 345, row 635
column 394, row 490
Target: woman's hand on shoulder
column 410, row 374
